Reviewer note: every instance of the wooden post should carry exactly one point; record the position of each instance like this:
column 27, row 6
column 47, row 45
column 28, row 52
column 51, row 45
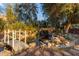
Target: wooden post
column 13, row 34
column 4, row 36
column 25, row 36
column 19, row 35
column 8, row 36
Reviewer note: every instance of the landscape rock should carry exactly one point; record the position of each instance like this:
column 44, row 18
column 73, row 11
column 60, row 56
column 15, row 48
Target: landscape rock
column 18, row 46
column 60, row 41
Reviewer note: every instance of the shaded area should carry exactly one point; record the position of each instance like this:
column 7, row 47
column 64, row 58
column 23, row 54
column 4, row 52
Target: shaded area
column 49, row 52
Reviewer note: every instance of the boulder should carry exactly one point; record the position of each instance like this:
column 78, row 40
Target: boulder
column 18, row 46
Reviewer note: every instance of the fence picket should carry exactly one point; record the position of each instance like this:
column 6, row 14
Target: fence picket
column 12, row 35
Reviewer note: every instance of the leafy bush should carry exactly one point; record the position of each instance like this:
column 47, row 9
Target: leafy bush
column 2, row 24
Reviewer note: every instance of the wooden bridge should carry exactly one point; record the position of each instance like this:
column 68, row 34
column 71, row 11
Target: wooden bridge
column 16, row 39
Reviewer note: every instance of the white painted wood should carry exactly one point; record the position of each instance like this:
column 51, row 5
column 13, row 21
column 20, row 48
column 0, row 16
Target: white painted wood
column 13, row 34
column 8, row 36
column 19, row 35
column 4, row 36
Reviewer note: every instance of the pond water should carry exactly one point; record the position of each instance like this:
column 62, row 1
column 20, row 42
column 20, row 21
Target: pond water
column 1, row 49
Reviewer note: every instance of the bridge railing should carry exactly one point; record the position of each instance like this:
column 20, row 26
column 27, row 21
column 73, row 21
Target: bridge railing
column 13, row 35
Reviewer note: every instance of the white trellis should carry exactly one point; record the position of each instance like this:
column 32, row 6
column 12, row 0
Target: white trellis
column 12, row 35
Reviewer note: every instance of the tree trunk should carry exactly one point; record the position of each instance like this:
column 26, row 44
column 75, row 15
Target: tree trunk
column 67, row 27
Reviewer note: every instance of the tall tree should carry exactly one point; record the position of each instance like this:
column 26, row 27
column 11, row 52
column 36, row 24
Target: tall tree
column 10, row 13
column 62, row 13
column 26, row 12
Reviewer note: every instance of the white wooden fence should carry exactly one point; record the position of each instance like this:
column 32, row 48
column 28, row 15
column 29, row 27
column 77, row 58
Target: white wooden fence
column 13, row 35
